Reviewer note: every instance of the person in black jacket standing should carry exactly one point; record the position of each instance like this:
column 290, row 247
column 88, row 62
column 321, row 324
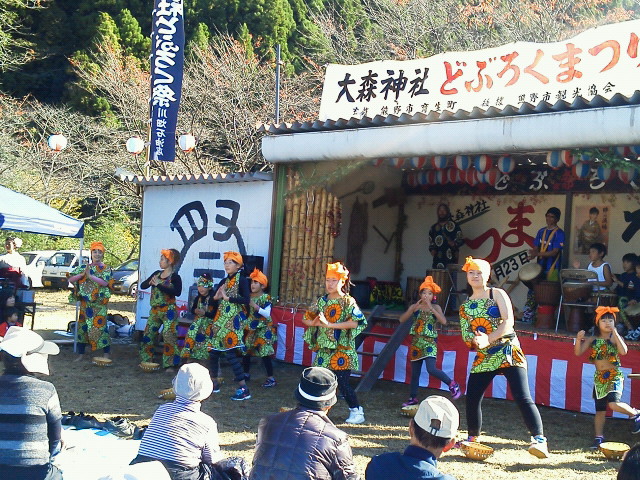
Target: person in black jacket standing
column 303, row 443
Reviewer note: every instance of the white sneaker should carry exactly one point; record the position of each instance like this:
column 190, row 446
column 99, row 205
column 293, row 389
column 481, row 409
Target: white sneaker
column 539, row 447
column 356, row 415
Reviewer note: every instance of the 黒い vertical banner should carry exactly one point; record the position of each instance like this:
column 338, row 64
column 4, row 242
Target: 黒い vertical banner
column 167, row 63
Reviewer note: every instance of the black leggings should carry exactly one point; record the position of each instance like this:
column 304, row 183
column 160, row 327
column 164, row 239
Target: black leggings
column 232, row 357
column 345, row 388
column 416, row 368
column 517, row 380
column 266, row 361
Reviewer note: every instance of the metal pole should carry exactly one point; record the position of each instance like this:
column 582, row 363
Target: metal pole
column 278, row 62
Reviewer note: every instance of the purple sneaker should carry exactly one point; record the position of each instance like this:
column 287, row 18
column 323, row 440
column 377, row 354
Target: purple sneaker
column 454, row 388
column 411, row 401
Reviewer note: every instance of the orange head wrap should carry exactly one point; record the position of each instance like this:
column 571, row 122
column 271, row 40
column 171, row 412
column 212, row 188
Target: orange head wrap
column 430, row 284
column 478, row 264
column 97, row 246
column 259, row 277
column 235, row 256
column 337, row 270
column 169, row 255
column 600, row 311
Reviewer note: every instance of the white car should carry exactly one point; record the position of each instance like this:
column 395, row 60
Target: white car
column 60, row 265
column 35, row 264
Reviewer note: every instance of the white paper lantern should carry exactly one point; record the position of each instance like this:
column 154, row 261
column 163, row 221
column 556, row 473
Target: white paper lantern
column 135, row 145
column 57, row 142
column 187, row 142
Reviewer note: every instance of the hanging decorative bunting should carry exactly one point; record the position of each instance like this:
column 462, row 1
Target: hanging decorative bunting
column 439, row 162
column 554, row 159
column 568, row 158
column 441, row 177
column 432, row 177
column 463, row 162
column 628, row 175
column 581, row 169
column 491, row 176
column 412, row 179
column 418, row 162
column 506, row 164
column 604, row 173
column 623, row 151
column 378, row 162
column 482, row 163
column 396, row 162
column 471, row 176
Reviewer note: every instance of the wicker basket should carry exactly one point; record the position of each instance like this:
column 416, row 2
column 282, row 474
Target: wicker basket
column 613, row 450
column 167, row 394
column 476, row 451
column 149, row 366
column 102, row 361
column 409, row 411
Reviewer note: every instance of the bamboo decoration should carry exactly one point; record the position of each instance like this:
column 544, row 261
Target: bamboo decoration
column 291, row 251
column 299, row 249
column 323, row 219
column 286, row 240
column 313, row 246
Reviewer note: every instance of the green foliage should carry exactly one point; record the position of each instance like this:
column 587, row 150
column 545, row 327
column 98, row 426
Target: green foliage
column 200, row 38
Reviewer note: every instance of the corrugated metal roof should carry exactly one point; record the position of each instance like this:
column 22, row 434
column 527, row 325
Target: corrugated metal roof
column 433, row 117
column 197, row 179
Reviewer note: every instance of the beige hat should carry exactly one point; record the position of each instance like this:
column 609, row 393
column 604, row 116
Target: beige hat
column 438, row 416
column 193, row 382
column 30, row 348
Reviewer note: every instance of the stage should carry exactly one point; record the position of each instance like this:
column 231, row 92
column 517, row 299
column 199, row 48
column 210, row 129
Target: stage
column 557, row 377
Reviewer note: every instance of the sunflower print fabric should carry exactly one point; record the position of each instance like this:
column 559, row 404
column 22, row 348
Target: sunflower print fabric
column 227, row 328
column 423, row 336
column 483, row 315
column 196, row 340
column 92, row 319
column 608, row 380
column 260, row 333
column 335, row 349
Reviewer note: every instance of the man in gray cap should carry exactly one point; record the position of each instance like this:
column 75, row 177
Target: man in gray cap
column 303, row 443
column 433, row 431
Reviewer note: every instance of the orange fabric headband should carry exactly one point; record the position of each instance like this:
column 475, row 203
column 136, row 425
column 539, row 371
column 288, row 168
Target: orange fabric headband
column 337, row 270
column 600, row 311
column 169, row 255
column 430, row 284
column 478, row 264
column 259, row 277
column 97, row 246
column 235, row 256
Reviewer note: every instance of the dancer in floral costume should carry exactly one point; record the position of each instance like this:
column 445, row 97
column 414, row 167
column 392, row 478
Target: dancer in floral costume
column 226, row 331
column 165, row 285
column 425, row 315
column 334, row 324
column 92, row 288
column 260, row 334
column 486, row 322
column 204, row 309
column 605, row 347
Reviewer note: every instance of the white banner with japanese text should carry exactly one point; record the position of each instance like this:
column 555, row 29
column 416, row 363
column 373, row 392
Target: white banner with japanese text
column 600, row 61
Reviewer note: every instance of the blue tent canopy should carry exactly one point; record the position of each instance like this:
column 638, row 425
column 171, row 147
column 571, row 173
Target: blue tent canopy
column 21, row 213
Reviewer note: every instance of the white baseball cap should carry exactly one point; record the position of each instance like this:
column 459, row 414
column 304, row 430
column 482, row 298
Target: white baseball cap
column 438, row 416
column 193, row 382
column 29, row 347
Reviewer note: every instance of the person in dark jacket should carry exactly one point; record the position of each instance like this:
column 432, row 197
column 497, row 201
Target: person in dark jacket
column 433, row 432
column 303, row 444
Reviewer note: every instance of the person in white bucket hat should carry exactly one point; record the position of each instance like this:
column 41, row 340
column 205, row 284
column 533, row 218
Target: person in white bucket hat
column 30, row 417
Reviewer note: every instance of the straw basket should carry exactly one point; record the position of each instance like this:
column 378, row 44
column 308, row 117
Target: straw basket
column 613, row 450
column 149, row 366
column 409, row 411
column 102, row 361
column 476, row 451
column 167, row 394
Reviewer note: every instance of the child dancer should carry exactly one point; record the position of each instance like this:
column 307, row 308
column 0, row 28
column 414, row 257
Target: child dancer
column 334, row 325
column 204, row 309
column 165, row 285
column 425, row 315
column 260, row 333
column 606, row 346
column 232, row 294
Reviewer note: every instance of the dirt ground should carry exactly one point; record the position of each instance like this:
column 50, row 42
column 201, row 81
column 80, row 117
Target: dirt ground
column 127, row 391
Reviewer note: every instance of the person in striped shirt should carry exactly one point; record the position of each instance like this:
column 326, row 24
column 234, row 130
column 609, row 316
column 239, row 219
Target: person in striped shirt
column 180, row 436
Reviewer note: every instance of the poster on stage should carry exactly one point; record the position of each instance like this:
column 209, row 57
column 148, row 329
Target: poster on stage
column 591, row 226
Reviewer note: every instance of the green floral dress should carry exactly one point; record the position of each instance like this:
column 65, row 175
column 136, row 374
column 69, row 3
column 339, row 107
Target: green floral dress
column 92, row 320
column 196, row 341
column 483, row 315
column 423, row 336
column 226, row 330
column 608, row 380
column 260, row 332
column 335, row 349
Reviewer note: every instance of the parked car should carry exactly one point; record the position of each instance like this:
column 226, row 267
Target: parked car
column 126, row 278
column 60, row 265
column 35, row 264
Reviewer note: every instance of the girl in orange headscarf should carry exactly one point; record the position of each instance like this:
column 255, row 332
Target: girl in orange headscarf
column 260, row 332
column 606, row 345
column 425, row 315
column 93, row 289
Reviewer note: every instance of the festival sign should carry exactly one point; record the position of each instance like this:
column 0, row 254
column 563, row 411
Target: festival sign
column 602, row 61
column 167, row 62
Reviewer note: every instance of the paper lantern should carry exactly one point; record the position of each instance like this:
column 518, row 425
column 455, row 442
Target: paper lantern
column 491, row 176
column 482, row 163
column 471, row 177
column 603, row 173
column 378, row 162
column 463, row 162
column 418, row 162
column 454, row 175
column 135, row 145
column 439, row 162
column 187, row 142
column 432, row 177
column 506, row 164
column 568, row 158
column 412, row 179
column 581, row 169
column 554, row 159
column 441, row 177
column 635, row 151
column 57, row 142
column 628, row 175
column 623, row 151
column 396, row 162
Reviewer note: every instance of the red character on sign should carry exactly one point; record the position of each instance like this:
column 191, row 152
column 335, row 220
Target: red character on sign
column 450, row 78
column 530, row 69
column 508, row 59
column 614, row 46
column 571, row 59
column 481, row 67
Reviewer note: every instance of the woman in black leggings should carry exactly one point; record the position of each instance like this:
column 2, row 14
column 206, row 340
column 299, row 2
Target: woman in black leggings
column 486, row 321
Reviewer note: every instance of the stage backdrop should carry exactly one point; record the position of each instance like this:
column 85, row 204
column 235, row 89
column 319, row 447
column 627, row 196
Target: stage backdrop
column 557, row 377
